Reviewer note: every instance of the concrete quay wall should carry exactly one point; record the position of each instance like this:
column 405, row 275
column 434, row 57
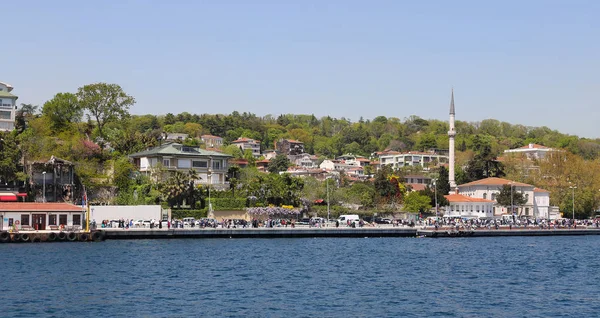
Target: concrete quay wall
column 120, row 234
column 514, row 232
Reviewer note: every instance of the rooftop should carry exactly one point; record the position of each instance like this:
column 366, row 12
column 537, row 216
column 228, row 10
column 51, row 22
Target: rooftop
column 463, row 198
column 42, row 207
column 177, row 149
column 493, row 181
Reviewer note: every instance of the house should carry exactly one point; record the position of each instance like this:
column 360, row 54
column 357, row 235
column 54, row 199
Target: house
column 417, row 182
column 53, row 179
column 537, row 204
column 335, row 165
column 242, row 163
column 211, row 166
column 468, row 207
column 40, row 216
column 8, row 107
column 412, row 158
column 289, row 147
column 262, row 165
column 175, row 137
column 211, row 141
column 304, row 160
column 248, row 144
column 532, row 151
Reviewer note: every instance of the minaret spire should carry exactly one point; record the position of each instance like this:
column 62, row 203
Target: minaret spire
column 451, row 135
column 452, row 103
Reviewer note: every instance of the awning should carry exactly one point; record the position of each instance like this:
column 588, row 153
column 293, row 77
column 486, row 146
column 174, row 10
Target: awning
column 8, row 197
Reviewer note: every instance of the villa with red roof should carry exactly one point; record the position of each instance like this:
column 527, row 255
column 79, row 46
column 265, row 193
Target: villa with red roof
column 40, row 216
column 289, row 147
column 468, row 207
column 412, row 158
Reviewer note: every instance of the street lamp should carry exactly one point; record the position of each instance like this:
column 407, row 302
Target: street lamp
column 209, row 185
column 44, row 186
column 573, row 198
column 327, row 181
column 435, row 194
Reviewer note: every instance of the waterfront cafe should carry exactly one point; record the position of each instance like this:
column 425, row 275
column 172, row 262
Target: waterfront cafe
column 40, row 216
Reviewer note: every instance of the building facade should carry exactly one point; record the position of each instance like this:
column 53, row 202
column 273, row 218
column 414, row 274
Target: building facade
column 211, row 141
column 8, row 107
column 211, row 166
column 40, row 216
column 248, row 144
column 412, row 158
column 289, row 147
column 537, row 203
column 462, row 206
column 532, row 151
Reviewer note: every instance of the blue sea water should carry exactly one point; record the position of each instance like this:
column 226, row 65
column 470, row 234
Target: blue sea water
column 324, row 277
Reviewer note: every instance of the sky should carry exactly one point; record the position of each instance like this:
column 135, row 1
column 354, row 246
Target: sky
column 533, row 62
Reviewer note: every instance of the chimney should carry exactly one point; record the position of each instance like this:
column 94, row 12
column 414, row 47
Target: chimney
column 530, row 146
column 456, row 190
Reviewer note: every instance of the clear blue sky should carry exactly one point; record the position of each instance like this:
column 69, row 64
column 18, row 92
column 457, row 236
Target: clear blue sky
column 528, row 62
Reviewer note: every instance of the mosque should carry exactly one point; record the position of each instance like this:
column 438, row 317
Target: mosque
column 477, row 199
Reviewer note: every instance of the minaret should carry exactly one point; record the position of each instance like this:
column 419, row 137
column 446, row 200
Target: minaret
column 451, row 134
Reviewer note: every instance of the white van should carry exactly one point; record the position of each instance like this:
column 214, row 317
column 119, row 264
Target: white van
column 344, row 218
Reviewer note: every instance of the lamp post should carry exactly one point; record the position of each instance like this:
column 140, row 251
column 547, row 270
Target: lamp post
column 327, row 181
column 573, row 198
column 435, row 195
column 209, row 185
column 44, row 187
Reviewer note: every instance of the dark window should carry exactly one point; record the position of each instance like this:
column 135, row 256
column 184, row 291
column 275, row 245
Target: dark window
column 52, row 219
column 24, row 219
column 62, row 219
column 199, row 164
column 10, row 222
column 76, row 219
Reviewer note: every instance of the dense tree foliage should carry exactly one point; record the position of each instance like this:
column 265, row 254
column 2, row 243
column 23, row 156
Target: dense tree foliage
column 99, row 147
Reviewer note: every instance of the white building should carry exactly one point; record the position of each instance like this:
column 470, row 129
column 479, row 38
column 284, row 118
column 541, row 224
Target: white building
column 304, row 160
column 247, row 143
column 8, row 106
column 537, row 204
column 412, row 158
column 468, row 207
column 40, row 216
column 532, row 151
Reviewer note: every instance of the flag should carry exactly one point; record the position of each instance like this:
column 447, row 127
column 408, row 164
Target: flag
column 84, row 198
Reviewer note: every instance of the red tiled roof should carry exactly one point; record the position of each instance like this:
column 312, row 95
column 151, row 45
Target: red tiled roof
column 540, row 190
column 42, row 207
column 417, row 186
column 239, row 161
column 463, row 198
column 362, row 159
column 494, row 181
column 294, row 141
column 210, row 136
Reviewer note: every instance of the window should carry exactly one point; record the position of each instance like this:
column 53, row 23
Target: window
column 217, row 164
column 200, row 164
column 5, row 115
column 24, row 219
column 477, row 208
column 485, row 195
column 166, row 162
column 52, row 219
column 493, row 196
column 527, row 197
column 77, row 219
column 62, row 219
column 184, row 163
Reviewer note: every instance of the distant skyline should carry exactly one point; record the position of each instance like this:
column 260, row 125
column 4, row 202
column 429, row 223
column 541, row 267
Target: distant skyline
column 533, row 63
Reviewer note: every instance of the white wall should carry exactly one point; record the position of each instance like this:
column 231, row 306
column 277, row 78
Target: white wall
column 116, row 212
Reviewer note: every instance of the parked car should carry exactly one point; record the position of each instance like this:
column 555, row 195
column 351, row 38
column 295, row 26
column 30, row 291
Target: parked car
column 383, row 221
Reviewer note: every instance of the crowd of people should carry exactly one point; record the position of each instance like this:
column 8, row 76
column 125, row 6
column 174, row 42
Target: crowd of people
column 507, row 222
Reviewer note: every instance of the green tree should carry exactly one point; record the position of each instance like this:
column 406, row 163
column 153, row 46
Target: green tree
column 10, row 155
column 105, row 103
column 278, row 164
column 509, row 197
column 416, row 202
column 62, row 110
column 442, row 183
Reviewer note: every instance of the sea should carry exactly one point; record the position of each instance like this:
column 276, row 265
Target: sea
column 304, row 277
